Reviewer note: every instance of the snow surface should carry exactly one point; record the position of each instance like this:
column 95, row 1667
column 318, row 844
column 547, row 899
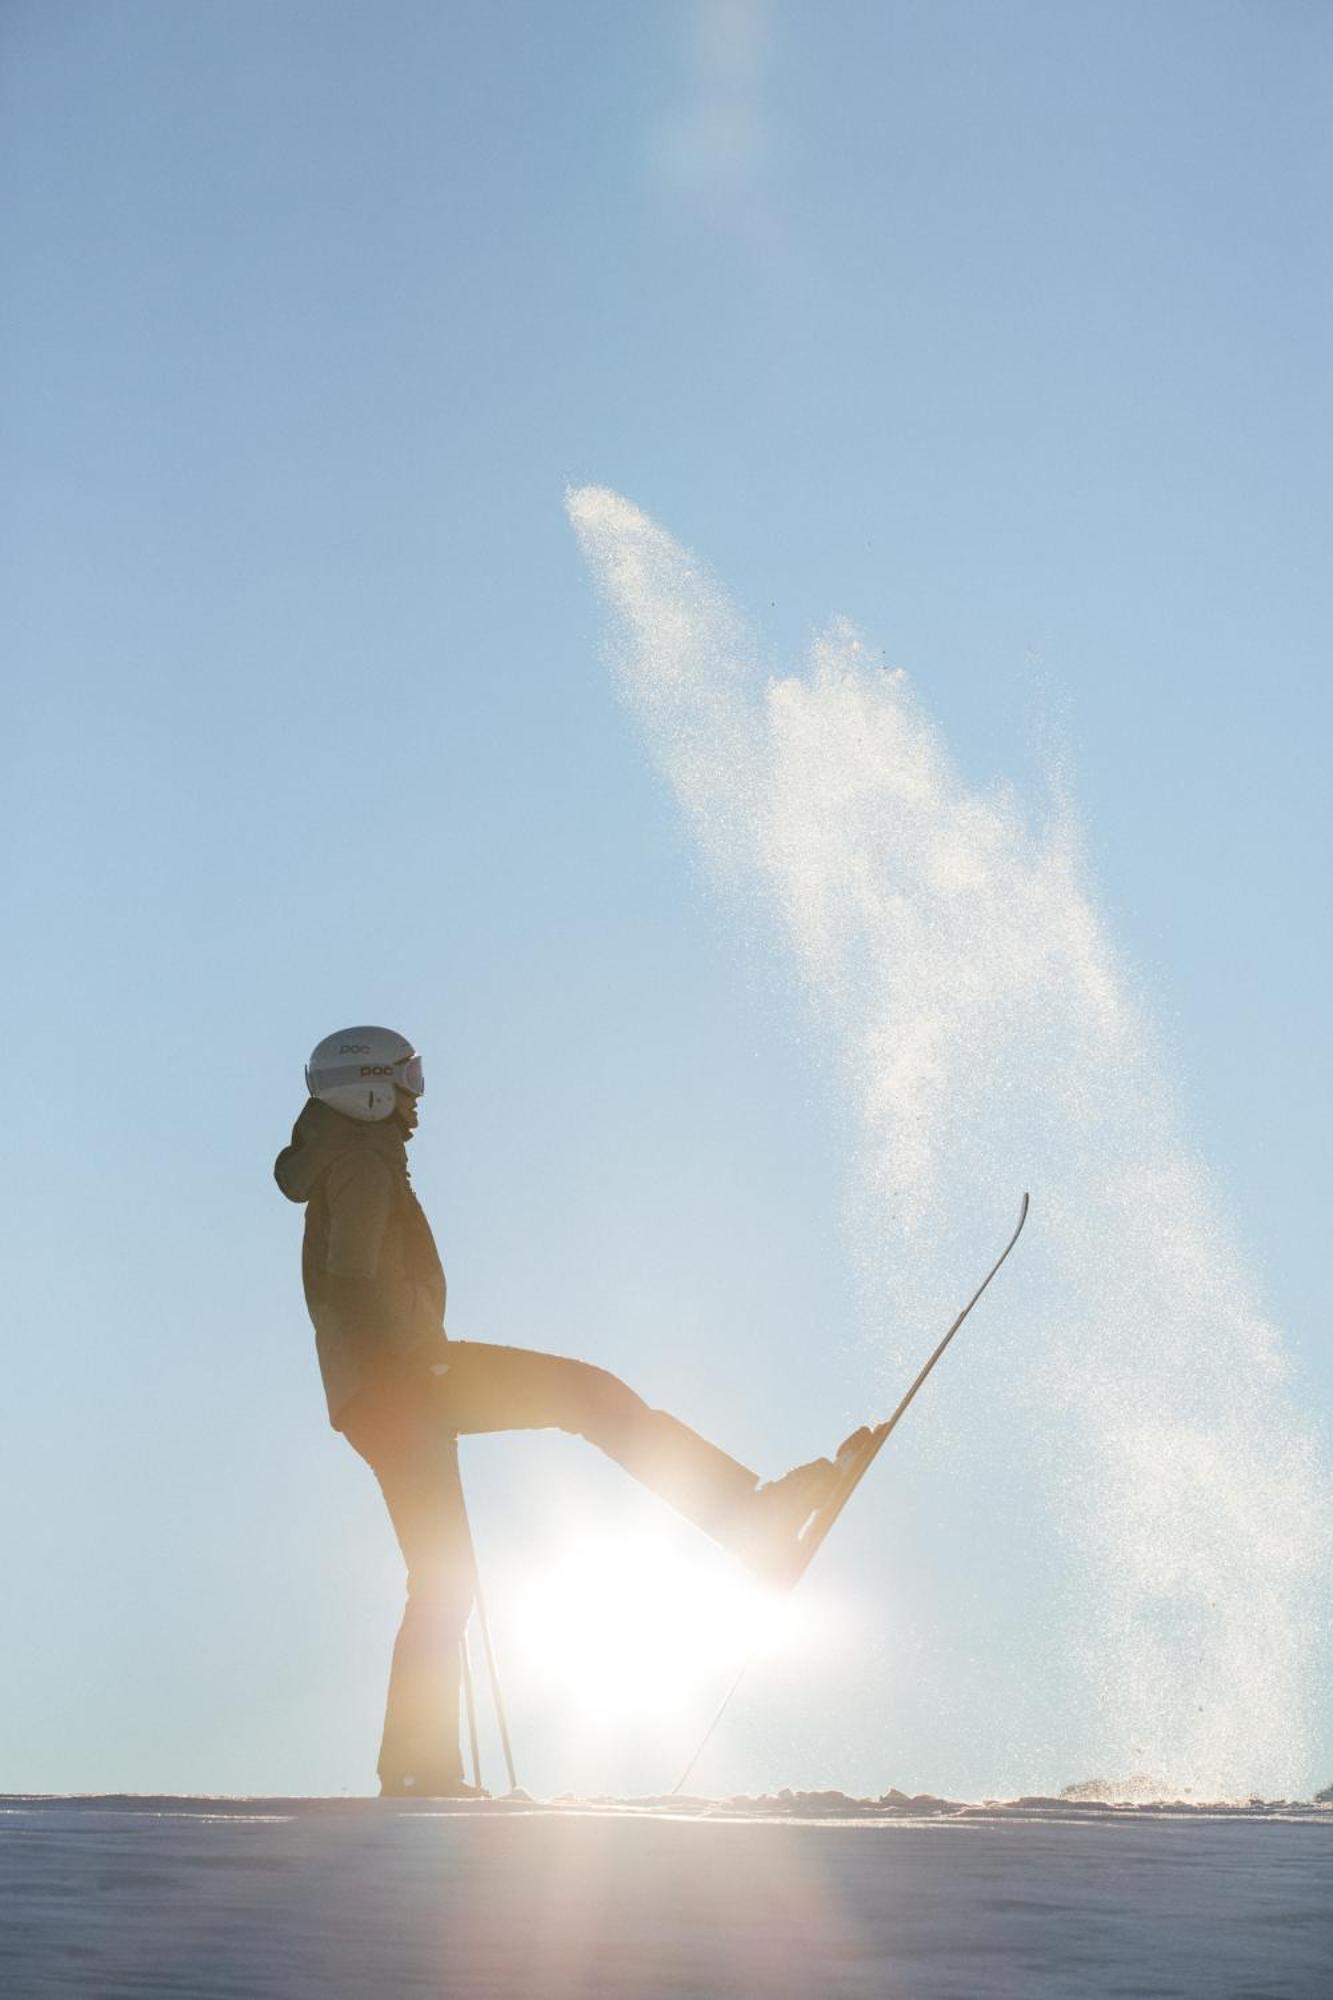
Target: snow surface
column 809, row 1895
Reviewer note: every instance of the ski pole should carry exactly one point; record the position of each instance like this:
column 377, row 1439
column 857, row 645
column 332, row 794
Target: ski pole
column 496, row 1695
column 488, row 1649
column 470, row 1705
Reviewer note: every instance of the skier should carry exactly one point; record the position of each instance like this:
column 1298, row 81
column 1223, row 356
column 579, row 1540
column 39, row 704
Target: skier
column 402, row 1392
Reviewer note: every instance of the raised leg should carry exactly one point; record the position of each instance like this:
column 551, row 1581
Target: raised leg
column 491, row 1388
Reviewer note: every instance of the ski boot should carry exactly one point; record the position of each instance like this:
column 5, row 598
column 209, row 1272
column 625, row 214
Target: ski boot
column 768, row 1536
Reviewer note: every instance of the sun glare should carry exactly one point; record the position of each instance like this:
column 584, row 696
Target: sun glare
column 629, row 1625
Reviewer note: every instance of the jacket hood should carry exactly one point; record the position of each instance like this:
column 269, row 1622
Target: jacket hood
column 319, row 1136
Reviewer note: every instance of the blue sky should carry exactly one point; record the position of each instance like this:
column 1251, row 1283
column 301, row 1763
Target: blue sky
column 1001, row 331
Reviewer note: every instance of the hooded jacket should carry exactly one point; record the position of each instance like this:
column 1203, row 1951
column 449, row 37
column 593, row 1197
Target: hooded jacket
column 374, row 1284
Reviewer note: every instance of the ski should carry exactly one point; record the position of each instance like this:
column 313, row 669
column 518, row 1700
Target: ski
column 854, row 1461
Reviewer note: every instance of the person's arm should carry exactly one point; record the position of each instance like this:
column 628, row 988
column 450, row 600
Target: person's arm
column 385, row 1309
column 360, row 1195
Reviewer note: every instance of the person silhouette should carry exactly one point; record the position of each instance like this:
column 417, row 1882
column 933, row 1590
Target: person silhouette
column 402, row 1392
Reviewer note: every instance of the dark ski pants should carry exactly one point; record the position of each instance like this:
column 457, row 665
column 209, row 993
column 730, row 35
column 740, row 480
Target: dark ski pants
column 408, row 1436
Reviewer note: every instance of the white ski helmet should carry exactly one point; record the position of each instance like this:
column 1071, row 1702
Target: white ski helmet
column 355, row 1072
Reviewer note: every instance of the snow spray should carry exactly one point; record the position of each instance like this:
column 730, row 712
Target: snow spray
column 989, row 1039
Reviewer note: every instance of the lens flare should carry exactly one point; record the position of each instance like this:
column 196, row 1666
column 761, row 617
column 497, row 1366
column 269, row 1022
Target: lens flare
column 624, row 1626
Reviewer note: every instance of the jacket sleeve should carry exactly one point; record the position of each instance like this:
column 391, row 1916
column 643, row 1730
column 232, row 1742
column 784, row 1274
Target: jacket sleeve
column 381, row 1311
column 382, row 1307
column 360, row 1192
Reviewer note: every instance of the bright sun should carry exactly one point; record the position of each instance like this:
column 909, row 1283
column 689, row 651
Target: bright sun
column 628, row 1625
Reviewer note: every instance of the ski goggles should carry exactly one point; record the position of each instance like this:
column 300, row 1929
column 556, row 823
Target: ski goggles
column 413, row 1077
column 407, row 1073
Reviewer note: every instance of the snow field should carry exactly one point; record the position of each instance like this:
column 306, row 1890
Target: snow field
column 123, row 1899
